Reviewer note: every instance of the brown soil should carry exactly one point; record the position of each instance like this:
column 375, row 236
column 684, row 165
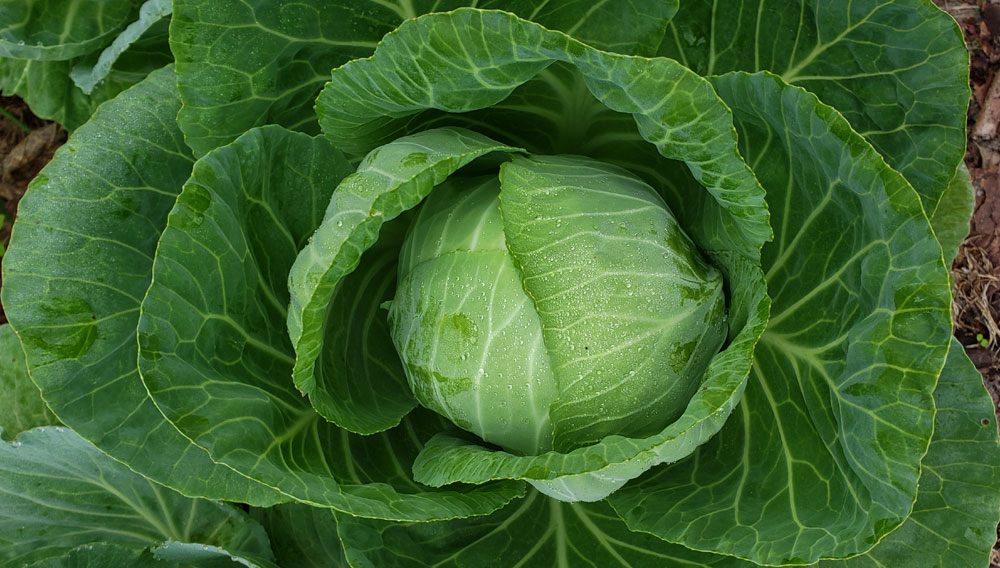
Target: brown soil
column 26, row 145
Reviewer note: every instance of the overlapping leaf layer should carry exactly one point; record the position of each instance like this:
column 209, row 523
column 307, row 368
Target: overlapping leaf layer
column 202, row 286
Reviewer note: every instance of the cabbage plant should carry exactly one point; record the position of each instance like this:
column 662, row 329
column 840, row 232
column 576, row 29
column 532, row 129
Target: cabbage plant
column 648, row 283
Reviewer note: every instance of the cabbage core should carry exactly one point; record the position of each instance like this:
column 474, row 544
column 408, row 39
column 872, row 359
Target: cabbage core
column 553, row 306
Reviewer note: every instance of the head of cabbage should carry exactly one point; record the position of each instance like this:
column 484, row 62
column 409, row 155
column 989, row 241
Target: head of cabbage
column 554, row 306
column 616, row 294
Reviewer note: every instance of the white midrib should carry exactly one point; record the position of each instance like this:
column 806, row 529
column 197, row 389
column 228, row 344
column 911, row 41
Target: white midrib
column 559, row 524
column 789, row 458
column 791, row 76
column 601, row 537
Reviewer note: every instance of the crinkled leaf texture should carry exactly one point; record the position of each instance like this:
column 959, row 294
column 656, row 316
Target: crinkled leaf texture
column 896, row 69
column 954, row 519
column 47, row 44
column 59, row 493
column 60, row 29
column 124, row 244
column 897, row 333
column 227, row 89
column 21, row 405
column 368, row 103
column 533, row 531
column 468, row 60
column 823, row 457
column 79, row 264
column 216, row 359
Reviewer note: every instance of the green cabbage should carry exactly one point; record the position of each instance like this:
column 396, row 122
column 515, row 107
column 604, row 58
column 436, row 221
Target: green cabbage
column 446, row 283
column 556, row 305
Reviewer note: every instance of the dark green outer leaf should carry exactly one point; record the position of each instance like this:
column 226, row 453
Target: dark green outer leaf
column 86, row 77
column 228, row 88
column 533, row 532
column 182, row 555
column 58, row 492
column 896, row 69
column 60, row 29
column 952, row 524
column 954, row 519
column 302, row 536
column 217, row 360
column 79, row 264
column 632, row 28
column 472, row 59
column 100, row 554
column 21, row 405
column 950, row 218
column 48, row 89
column 823, row 457
column 50, row 93
column 197, row 555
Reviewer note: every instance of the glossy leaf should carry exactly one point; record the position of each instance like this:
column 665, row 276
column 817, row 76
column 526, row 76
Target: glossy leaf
column 955, row 517
column 100, row 554
column 87, row 77
column 631, row 28
column 823, row 457
column 363, row 106
column 472, row 59
column 205, row 556
column 593, row 472
column 79, row 263
column 181, row 555
column 897, row 70
column 823, row 462
column 217, row 360
column 21, row 405
column 302, row 536
column 50, row 93
column 534, row 531
column 60, row 29
column 465, row 329
column 47, row 87
column 58, row 492
column 950, row 219
column 389, row 182
column 228, row 89
column 631, row 313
